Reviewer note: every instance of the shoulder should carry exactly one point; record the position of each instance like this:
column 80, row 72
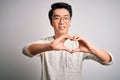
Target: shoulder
column 47, row 39
column 42, row 40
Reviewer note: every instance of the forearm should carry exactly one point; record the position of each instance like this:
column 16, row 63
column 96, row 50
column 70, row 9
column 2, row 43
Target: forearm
column 101, row 54
column 34, row 49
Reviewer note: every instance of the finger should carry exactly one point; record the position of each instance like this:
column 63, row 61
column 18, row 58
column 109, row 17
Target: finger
column 67, row 49
column 63, row 37
column 75, row 50
column 76, row 37
column 68, row 37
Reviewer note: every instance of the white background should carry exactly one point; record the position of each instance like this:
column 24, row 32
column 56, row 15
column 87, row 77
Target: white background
column 23, row 21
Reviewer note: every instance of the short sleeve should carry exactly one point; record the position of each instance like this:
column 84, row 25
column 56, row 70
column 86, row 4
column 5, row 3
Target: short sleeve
column 25, row 49
column 95, row 58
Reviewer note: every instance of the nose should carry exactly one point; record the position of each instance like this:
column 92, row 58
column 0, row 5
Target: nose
column 61, row 21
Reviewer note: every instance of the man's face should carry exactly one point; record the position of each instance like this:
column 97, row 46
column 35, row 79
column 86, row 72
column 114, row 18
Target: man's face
column 60, row 21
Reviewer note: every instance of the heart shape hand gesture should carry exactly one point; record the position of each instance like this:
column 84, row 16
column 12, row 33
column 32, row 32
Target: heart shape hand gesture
column 84, row 46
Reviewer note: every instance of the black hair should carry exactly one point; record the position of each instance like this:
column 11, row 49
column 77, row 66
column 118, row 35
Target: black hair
column 59, row 5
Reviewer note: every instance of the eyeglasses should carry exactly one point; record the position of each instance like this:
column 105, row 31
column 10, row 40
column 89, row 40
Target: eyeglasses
column 58, row 19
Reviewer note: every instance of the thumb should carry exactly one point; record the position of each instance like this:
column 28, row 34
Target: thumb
column 67, row 49
column 75, row 50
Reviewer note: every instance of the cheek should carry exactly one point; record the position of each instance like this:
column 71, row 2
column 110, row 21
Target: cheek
column 68, row 24
column 54, row 25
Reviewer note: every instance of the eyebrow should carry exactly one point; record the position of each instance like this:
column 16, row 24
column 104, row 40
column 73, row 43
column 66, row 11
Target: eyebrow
column 59, row 15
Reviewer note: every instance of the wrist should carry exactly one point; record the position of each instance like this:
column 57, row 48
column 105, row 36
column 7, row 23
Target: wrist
column 49, row 47
column 93, row 50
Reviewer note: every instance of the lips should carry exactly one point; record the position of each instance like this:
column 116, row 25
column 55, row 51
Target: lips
column 61, row 27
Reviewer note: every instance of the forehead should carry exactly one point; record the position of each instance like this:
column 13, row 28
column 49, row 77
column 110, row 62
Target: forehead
column 61, row 12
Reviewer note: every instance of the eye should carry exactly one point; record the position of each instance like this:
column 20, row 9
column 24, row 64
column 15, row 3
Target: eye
column 66, row 18
column 57, row 18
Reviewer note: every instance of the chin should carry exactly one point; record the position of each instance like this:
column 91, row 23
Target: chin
column 63, row 33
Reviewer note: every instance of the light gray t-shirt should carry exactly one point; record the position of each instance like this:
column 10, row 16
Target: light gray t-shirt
column 62, row 65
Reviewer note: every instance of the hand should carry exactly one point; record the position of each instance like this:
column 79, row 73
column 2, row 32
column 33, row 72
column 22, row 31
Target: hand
column 84, row 46
column 58, row 44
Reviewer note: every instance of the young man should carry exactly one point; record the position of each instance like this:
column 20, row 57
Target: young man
column 62, row 54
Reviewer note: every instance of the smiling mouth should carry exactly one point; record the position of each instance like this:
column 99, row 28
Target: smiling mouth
column 61, row 27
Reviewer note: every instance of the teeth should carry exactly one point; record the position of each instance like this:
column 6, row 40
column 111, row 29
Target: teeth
column 61, row 27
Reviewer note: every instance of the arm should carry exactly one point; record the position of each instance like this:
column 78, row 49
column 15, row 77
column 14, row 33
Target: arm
column 57, row 44
column 34, row 49
column 101, row 54
column 85, row 46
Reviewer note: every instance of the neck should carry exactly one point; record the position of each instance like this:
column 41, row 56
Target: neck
column 58, row 35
